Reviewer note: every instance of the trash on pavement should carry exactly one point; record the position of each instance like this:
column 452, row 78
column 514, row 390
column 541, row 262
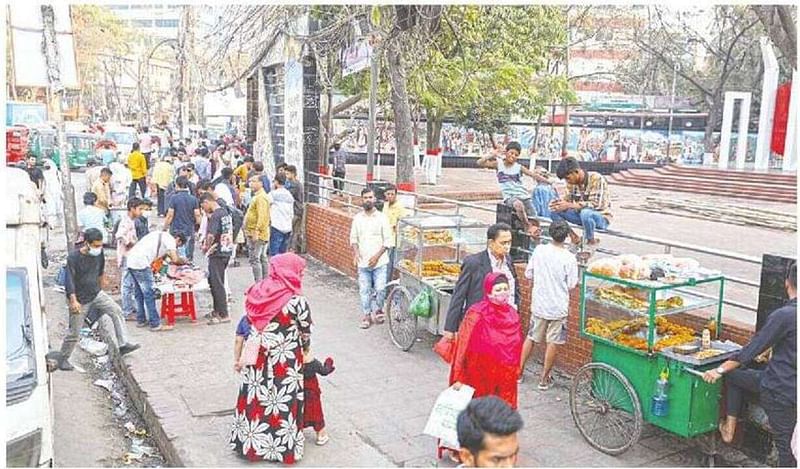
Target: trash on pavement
column 101, row 360
column 130, row 427
column 93, row 347
column 107, row 384
column 120, row 411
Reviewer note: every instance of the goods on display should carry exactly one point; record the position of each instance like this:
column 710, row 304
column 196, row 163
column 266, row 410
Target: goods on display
column 624, row 332
column 708, row 353
column 431, row 237
column 658, row 267
column 635, row 299
column 431, row 268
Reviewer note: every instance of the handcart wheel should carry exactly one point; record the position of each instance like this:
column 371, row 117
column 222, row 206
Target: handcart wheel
column 605, row 408
column 402, row 324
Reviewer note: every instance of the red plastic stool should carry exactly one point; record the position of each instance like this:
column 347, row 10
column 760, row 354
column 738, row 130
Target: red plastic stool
column 170, row 310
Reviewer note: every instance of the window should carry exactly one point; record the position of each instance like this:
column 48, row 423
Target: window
column 117, row 7
column 167, row 23
column 20, row 358
column 142, row 23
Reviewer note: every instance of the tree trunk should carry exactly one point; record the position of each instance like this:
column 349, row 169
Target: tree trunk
column 711, row 123
column 433, row 127
column 402, row 116
column 537, row 129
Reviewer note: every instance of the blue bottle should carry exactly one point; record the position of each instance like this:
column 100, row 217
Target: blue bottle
column 659, row 404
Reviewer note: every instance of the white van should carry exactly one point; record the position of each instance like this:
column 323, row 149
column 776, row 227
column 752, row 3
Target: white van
column 123, row 136
column 29, row 406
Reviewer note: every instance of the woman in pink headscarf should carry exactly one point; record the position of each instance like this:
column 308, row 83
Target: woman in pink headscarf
column 488, row 344
column 269, row 355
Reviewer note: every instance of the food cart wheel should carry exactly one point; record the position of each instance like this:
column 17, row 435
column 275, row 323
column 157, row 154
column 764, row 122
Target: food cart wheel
column 605, row 408
column 402, row 324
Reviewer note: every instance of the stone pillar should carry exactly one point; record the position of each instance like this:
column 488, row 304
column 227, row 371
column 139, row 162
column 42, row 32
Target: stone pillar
column 790, row 149
column 766, row 115
column 727, row 124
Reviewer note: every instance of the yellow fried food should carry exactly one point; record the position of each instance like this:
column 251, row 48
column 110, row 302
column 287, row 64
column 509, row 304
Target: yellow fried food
column 712, row 352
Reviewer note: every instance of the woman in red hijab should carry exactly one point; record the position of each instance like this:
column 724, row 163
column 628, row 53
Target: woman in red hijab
column 488, row 344
column 269, row 355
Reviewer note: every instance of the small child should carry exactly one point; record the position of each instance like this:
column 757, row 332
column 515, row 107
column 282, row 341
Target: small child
column 312, row 415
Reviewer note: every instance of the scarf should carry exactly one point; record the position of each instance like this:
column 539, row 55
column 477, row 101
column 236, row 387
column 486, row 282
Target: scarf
column 265, row 299
column 497, row 334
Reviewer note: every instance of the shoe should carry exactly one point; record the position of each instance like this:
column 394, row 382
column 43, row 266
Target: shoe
column 128, row 348
column 521, row 379
column 365, row 323
column 208, row 315
column 65, row 365
column 322, row 441
column 131, row 318
column 161, row 328
column 141, row 324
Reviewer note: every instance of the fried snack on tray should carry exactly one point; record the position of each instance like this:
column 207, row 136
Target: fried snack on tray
column 431, row 268
column 431, row 237
column 712, row 352
column 623, row 332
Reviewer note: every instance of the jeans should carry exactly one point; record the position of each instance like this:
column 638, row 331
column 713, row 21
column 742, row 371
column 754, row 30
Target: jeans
column 100, row 305
column 297, row 232
column 126, row 290
column 162, row 202
column 257, row 256
column 543, row 194
column 146, row 310
column 142, row 183
column 589, row 219
column 745, row 384
column 216, row 283
column 372, row 288
column 278, row 241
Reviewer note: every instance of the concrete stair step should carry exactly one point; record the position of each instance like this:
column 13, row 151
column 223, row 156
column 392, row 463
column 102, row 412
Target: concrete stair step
column 771, row 176
column 756, row 195
column 697, row 181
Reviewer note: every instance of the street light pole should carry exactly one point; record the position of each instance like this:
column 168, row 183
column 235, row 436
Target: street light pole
column 373, row 99
column 671, row 107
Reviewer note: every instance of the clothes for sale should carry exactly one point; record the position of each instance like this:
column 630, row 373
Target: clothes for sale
column 186, row 274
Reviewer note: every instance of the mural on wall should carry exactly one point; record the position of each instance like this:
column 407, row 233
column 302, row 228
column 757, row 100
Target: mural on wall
column 584, row 143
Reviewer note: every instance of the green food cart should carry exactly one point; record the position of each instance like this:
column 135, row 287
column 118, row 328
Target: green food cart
column 636, row 345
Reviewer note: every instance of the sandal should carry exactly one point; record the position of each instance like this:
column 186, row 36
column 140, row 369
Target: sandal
column 365, row 323
column 380, row 318
column 544, row 386
column 322, row 441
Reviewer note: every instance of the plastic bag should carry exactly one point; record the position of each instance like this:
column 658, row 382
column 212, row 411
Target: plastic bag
column 445, row 348
column 421, row 305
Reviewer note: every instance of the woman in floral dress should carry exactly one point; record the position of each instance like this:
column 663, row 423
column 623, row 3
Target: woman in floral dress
column 269, row 412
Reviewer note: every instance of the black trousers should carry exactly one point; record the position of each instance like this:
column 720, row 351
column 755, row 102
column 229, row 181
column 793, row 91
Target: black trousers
column 745, row 385
column 162, row 202
column 338, row 185
column 142, row 183
column 216, row 283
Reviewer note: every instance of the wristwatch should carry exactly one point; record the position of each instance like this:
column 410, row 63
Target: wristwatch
column 720, row 370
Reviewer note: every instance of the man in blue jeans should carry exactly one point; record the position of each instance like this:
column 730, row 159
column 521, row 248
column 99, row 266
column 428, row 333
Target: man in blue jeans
column 155, row 245
column 371, row 239
column 587, row 202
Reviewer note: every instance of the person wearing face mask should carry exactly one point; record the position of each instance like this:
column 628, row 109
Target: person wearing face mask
column 84, row 289
column 371, row 239
column 488, row 345
column 469, row 287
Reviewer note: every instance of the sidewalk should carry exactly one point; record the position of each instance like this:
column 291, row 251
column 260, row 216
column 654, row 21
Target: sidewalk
column 376, row 402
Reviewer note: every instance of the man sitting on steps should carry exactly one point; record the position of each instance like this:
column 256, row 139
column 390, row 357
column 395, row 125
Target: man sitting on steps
column 587, row 202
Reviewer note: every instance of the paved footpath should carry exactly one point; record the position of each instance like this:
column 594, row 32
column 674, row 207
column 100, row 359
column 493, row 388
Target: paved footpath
column 376, row 402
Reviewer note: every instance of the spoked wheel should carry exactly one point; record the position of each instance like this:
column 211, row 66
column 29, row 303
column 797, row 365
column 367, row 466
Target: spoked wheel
column 605, row 408
column 402, row 324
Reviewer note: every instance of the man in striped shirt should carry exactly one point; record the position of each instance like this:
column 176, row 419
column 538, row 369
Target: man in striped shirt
column 586, row 203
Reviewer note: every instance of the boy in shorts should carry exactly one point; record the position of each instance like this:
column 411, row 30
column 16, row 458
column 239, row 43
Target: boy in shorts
column 554, row 272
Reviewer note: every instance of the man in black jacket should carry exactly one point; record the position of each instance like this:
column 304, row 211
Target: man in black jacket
column 469, row 288
column 775, row 386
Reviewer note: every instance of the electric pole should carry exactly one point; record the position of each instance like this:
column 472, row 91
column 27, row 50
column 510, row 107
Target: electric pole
column 373, row 98
column 56, row 92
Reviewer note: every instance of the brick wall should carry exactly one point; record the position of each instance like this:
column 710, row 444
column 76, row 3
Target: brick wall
column 328, row 232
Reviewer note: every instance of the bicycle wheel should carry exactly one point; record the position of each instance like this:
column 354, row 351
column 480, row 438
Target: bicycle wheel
column 402, row 324
column 605, row 408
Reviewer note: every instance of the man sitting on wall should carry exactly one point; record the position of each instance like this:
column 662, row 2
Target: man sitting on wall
column 587, row 202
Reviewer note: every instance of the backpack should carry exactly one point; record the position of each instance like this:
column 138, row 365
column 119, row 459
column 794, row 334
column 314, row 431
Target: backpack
column 237, row 218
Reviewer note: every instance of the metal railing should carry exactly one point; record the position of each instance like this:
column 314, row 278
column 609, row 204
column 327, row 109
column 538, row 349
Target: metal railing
column 325, row 190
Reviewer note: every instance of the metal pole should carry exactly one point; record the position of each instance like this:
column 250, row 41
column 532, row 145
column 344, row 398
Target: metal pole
column 671, row 106
column 373, row 95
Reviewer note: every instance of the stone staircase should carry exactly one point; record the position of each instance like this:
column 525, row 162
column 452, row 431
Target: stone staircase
column 767, row 186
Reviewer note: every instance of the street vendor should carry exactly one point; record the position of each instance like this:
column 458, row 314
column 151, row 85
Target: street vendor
column 776, row 385
column 509, row 176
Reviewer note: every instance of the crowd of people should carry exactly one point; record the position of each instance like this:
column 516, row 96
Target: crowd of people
column 218, row 198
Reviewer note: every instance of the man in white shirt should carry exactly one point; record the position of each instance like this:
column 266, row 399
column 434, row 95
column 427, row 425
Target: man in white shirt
column 281, row 214
column 154, row 245
column 146, row 144
column 554, row 271
column 371, row 238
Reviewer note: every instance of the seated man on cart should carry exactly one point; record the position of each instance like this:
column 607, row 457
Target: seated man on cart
column 775, row 386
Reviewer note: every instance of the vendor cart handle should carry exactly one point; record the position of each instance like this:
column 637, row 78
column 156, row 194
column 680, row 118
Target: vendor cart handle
column 692, row 371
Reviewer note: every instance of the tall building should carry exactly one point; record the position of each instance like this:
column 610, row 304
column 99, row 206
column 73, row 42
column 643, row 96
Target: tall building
column 158, row 20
